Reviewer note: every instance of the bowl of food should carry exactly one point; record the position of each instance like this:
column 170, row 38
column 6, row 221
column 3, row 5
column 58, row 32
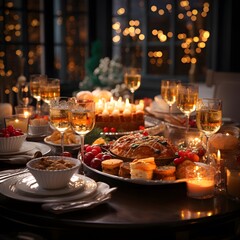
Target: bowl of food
column 53, row 172
column 38, row 126
column 11, row 139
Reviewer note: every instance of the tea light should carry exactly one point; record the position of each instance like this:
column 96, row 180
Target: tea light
column 200, row 181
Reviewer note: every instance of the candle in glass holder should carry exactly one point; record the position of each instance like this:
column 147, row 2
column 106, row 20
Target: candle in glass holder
column 18, row 121
column 200, row 181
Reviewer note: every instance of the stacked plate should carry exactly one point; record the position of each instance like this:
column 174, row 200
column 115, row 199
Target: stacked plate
column 24, row 187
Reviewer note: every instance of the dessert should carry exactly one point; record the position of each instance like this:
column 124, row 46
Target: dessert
column 142, row 168
column 111, row 166
column 164, row 173
column 139, row 145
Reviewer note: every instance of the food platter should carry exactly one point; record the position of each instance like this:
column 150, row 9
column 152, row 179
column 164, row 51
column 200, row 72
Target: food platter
column 46, row 140
column 98, row 173
column 153, row 125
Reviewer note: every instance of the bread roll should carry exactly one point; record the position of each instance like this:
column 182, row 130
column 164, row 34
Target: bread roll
column 142, row 168
column 84, row 95
column 124, row 170
column 111, row 166
column 164, row 173
column 181, row 168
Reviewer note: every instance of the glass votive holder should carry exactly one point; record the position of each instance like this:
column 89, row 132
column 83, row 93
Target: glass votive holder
column 229, row 129
column 26, row 111
column 233, row 183
column 200, row 181
column 18, row 121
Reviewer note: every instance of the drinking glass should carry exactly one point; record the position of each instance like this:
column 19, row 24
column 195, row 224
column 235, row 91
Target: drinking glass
column 169, row 92
column 49, row 89
column 59, row 115
column 208, row 119
column 187, row 97
column 82, row 119
column 35, row 80
column 132, row 79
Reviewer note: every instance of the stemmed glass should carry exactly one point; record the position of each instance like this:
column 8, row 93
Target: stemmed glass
column 82, row 119
column 49, row 89
column 132, row 80
column 187, row 97
column 35, row 89
column 208, row 119
column 59, row 115
column 169, row 92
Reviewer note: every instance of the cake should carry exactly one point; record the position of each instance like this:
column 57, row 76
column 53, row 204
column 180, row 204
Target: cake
column 138, row 145
column 113, row 113
column 119, row 115
column 142, row 168
column 167, row 173
column 111, row 166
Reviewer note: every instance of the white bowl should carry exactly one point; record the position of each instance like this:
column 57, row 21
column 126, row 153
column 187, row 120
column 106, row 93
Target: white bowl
column 38, row 130
column 52, row 176
column 11, row 144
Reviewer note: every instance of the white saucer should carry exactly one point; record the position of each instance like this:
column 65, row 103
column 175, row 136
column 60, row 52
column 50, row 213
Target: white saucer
column 26, row 146
column 29, row 185
column 8, row 188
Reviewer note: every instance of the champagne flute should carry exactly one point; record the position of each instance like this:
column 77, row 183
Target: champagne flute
column 208, row 119
column 132, row 79
column 82, row 119
column 169, row 92
column 59, row 116
column 49, row 89
column 187, row 97
column 35, row 89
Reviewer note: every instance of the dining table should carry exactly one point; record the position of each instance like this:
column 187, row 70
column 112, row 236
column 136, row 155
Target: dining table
column 134, row 211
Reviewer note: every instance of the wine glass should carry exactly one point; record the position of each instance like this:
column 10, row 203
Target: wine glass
column 169, row 92
column 187, row 96
column 49, row 89
column 35, row 89
column 132, row 80
column 82, row 119
column 208, row 119
column 59, row 115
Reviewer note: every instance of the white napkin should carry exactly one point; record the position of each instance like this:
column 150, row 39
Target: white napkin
column 21, row 158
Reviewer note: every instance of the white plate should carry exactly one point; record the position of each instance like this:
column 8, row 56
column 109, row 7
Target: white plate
column 9, row 189
column 34, row 147
column 24, row 148
column 59, row 145
column 29, row 185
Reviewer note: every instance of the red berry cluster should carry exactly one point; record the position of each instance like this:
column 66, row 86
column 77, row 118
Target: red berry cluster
column 94, row 155
column 10, row 131
column 186, row 154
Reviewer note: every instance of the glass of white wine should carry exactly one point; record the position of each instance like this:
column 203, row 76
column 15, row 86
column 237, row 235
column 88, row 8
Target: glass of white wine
column 208, row 118
column 187, row 96
column 35, row 89
column 132, row 80
column 49, row 89
column 169, row 92
column 59, row 115
column 82, row 119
